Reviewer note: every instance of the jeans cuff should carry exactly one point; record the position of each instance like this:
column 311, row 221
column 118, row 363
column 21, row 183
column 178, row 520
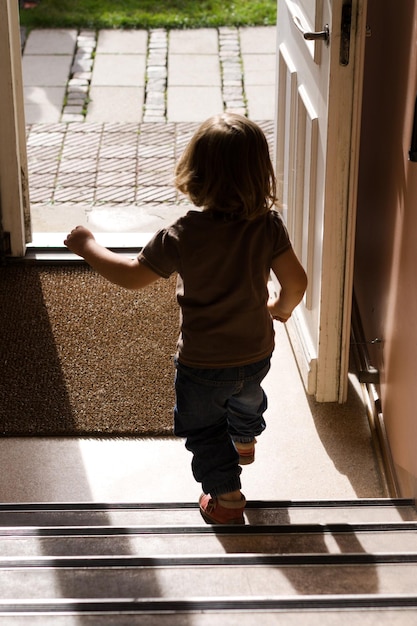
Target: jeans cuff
column 243, row 439
column 232, row 485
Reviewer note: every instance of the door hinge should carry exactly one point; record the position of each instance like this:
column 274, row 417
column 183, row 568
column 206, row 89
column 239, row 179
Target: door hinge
column 345, row 28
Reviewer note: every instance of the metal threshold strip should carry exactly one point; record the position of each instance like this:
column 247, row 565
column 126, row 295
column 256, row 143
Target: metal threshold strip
column 62, row 256
column 221, row 560
column 251, row 504
column 235, row 604
column 48, row 248
column 107, row 531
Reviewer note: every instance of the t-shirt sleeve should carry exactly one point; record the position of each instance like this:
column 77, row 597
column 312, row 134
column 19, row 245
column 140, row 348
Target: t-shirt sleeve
column 161, row 253
column 281, row 239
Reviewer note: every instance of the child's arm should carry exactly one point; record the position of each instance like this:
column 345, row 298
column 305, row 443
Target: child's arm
column 128, row 273
column 293, row 280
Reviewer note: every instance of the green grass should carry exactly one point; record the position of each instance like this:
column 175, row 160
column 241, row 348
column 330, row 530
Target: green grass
column 97, row 14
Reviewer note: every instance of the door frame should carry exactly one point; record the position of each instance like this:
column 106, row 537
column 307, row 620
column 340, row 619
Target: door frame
column 14, row 187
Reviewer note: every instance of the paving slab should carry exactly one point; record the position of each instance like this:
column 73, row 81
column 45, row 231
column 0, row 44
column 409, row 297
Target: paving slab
column 51, row 41
column 258, row 39
column 122, row 41
column 79, row 146
column 195, row 70
column 195, row 41
column 117, row 195
column 78, row 165
column 193, row 104
column 44, row 95
column 119, row 70
column 43, row 112
column 46, row 70
column 76, row 179
column 115, row 104
column 140, row 219
column 40, row 180
column 57, row 218
column 116, row 164
column 259, row 69
column 112, row 178
column 48, row 136
column 261, row 100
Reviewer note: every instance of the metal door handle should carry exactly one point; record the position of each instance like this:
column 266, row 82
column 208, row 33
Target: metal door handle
column 323, row 35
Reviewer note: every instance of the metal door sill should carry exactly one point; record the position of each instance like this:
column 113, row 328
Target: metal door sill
column 49, row 248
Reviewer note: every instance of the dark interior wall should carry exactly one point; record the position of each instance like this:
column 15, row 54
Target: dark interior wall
column 385, row 281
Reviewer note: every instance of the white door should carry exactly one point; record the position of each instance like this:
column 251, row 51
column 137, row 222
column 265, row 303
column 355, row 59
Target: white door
column 14, row 195
column 317, row 136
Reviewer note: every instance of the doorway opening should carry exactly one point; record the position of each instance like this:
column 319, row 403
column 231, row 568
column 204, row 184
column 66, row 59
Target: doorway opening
column 102, row 145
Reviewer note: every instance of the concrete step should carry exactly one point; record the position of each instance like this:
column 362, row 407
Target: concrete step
column 292, row 563
column 246, row 617
column 212, row 578
column 300, row 539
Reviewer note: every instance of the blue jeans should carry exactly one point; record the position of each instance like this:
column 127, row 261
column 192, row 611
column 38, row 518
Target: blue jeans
column 215, row 407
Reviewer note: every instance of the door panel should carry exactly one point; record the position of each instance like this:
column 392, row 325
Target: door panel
column 305, row 187
column 316, row 149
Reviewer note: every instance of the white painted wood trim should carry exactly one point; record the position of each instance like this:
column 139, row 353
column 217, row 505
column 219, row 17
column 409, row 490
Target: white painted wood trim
column 304, row 353
column 14, row 194
column 339, row 214
column 358, row 49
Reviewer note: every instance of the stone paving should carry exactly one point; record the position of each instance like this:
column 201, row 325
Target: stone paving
column 112, row 177
column 109, row 113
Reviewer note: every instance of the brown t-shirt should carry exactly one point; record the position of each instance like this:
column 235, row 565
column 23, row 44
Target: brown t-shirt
column 223, row 267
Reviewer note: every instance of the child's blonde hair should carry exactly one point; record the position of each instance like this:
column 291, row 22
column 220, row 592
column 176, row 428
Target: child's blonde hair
column 227, row 167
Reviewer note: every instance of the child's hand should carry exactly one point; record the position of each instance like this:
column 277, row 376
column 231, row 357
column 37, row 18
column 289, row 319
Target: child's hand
column 78, row 239
column 276, row 312
column 282, row 319
column 280, row 316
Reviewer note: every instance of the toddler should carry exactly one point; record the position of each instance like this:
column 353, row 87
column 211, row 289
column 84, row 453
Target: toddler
column 223, row 252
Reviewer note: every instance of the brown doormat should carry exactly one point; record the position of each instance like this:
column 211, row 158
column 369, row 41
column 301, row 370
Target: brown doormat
column 80, row 356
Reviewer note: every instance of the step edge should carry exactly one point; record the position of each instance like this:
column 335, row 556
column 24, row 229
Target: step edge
column 251, row 504
column 189, row 605
column 245, row 530
column 221, row 560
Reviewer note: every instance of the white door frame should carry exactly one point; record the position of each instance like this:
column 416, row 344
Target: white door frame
column 14, row 193
column 324, row 234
